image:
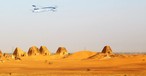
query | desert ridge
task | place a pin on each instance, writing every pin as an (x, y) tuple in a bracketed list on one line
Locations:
[(61, 53)]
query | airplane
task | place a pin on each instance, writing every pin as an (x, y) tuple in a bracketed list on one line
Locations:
[(43, 9)]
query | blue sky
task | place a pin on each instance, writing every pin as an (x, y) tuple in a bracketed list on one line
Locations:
[(76, 25)]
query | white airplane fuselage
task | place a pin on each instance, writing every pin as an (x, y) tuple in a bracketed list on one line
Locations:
[(43, 9)]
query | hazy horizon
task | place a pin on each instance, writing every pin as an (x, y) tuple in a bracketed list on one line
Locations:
[(76, 25)]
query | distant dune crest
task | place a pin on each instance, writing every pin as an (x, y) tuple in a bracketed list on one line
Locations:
[(61, 52)]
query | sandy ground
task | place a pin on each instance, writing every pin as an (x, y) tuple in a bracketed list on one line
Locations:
[(120, 65)]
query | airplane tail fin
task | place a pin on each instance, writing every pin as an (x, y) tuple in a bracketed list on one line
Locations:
[(33, 5)]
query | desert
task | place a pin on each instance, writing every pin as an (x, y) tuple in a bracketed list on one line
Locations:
[(73, 38), (41, 62)]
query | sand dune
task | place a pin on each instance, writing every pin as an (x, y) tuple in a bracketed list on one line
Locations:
[(132, 65), (82, 63), (81, 55)]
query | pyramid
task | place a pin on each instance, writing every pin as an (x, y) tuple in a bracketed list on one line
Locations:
[(7, 55), (1, 54), (33, 51), (62, 51), (44, 51), (107, 50), (19, 52)]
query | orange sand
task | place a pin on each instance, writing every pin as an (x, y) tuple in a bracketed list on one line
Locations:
[(75, 65)]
